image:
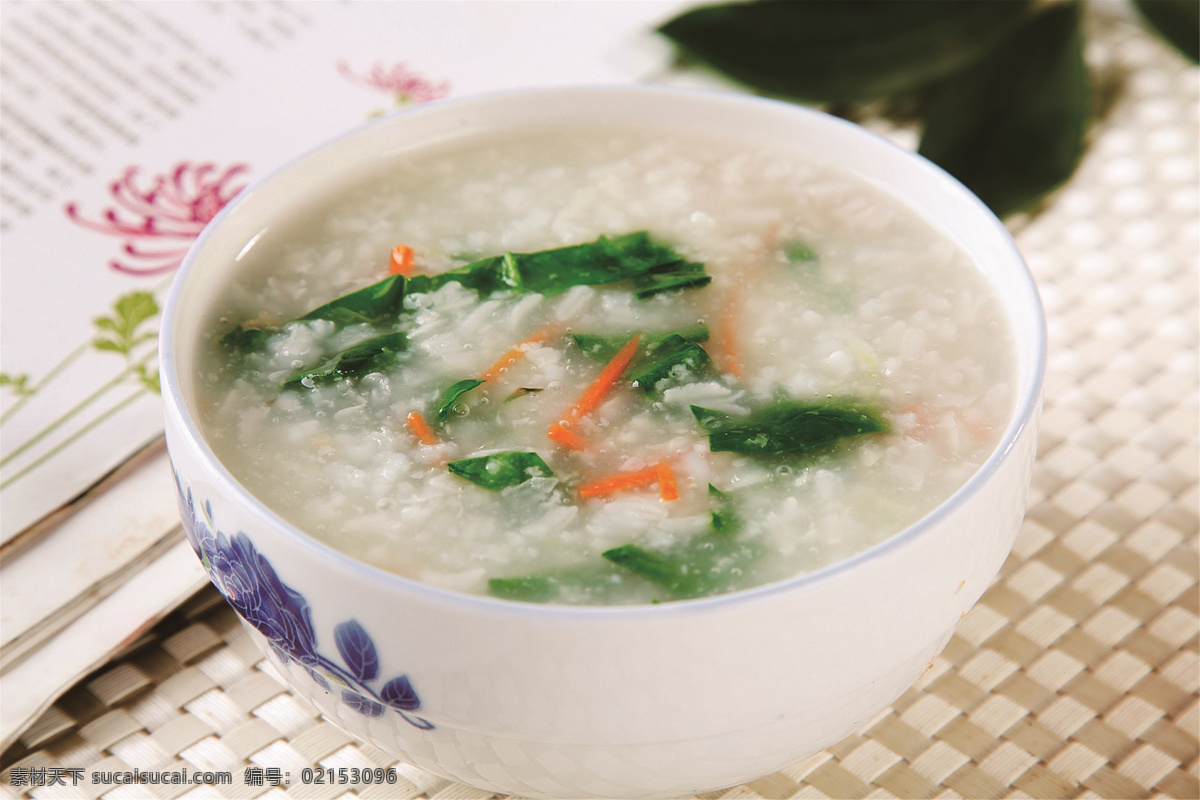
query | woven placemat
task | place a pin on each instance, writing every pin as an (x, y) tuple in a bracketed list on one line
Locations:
[(1077, 673)]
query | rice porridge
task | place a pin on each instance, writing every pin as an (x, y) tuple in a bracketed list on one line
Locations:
[(604, 367)]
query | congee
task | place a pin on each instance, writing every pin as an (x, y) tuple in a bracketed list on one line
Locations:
[(607, 367)]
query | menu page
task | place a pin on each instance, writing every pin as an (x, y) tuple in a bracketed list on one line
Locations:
[(126, 126)]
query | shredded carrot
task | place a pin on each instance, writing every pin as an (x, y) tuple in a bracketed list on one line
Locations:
[(728, 353), (666, 481), (420, 428), (660, 473), (617, 483), (594, 394), (402, 261), (566, 437), (514, 355), (725, 343)]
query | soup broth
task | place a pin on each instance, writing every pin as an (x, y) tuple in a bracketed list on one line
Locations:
[(605, 367)]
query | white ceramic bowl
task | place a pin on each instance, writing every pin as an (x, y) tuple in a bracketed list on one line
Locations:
[(639, 701)]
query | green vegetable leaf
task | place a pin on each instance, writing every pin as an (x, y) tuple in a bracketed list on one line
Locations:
[(680, 275), (797, 252), (595, 583), (376, 304), (530, 588), (501, 470), (1177, 20), (603, 347), (447, 399), (1011, 126), (554, 271), (245, 339), (707, 564), (373, 355), (835, 51), (672, 361), (120, 332), (724, 517), (789, 426), (484, 276)]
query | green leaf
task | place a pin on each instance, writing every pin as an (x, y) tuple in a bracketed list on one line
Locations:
[(530, 588), (603, 347), (797, 252), (130, 311), (17, 384), (672, 361), (449, 396), (484, 276), (596, 582), (707, 564), (1178, 21), (680, 275), (501, 470), (554, 271), (837, 51), (789, 426), (149, 378), (244, 339), (376, 304), (1011, 126), (724, 516), (373, 355)]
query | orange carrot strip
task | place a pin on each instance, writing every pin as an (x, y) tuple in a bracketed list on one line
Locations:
[(515, 354), (420, 428), (402, 261), (666, 481), (566, 437), (727, 354), (594, 394), (617, 483)]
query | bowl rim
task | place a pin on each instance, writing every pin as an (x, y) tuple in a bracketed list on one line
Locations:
[(1024, 413)]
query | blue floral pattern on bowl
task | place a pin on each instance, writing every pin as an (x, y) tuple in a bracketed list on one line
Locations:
[(248, 582)]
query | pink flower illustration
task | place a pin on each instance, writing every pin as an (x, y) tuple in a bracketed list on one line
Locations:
[(159, 217), (404, 85)]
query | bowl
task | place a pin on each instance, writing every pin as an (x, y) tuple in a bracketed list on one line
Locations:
[(628, 701)]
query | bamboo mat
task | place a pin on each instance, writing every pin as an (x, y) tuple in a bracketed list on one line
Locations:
[(1076, 674)]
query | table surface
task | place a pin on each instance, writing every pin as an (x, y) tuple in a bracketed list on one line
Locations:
[(1074, 676)]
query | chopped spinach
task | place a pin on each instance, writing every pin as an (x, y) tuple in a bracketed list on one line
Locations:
[(724, 517), (373, 355), (484, 276), (246, 339), (449, 396), (670, 361), (597, 582), (554, 271), (669, 277), (603, 347), (501, 470), (708, 564), (789, 426), (797, 252), (376, 304)]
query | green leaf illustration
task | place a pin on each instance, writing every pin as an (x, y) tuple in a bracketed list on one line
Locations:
[(17, 384), (123, 330)]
